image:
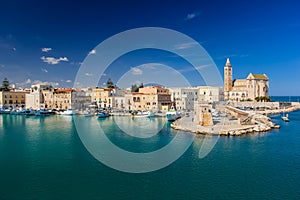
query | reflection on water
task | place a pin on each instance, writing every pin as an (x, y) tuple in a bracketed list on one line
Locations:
[(140, 127)]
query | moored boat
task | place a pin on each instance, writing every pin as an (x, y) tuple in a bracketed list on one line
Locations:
[(285, 118), (67, 112), (29, 112), (172, 114), (144, 114), (103, 114)]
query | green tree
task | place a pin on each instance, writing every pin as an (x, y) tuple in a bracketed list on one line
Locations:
[(110, 84), (5, 85), (135, 88)]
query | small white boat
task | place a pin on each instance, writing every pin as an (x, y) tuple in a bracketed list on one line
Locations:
[(285, 118), (67, 112), (5, 111), (172, 114), (89, 113), (18, 111), (144, 114), (43, 112)]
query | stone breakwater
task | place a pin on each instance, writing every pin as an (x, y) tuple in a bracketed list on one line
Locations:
[(254, 123), (294, 107)]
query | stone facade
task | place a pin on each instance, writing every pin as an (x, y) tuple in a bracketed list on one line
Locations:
[(12, 99), (255, 85)]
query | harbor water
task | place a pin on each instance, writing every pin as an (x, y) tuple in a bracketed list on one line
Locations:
[(44, 158)]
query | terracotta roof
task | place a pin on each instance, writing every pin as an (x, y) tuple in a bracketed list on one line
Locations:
[(134, 93), (64, 90)]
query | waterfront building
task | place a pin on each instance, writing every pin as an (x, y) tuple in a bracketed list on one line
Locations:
[(12, 99), (155, 98), (108, 97), (184, 98), (80, 99), (35, 99), (255, 85), (45, 96), (210, 94), (68, 98)]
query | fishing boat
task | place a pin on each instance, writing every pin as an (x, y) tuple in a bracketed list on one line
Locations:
[(143, 114), (44, 112), (29, 112), (67, 112), (103, 114), (285, 118), (172, 114)]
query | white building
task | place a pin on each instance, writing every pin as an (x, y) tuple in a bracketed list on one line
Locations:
[(35, 99), (210, 94), (184, 98)]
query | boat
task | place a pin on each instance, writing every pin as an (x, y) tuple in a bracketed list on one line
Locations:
[(143, 114), (5, 111), (67, 112), (172, 114), (44, 112), (285, 118), (29, 112), (18, 111), (88, 113), (103, 114)]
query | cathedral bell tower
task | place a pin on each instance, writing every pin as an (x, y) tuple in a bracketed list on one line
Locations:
[(227, 79)]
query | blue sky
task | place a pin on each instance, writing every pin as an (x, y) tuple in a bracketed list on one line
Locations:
[(258, 36)]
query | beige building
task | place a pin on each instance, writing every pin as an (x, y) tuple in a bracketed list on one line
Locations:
[(153, 98), (44, 96), (255, 85), (156, 98), (109, 97), (12, 99)]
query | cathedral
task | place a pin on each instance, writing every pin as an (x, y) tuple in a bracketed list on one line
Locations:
[(253, 87)]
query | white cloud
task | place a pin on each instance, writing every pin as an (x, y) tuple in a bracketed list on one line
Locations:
[(28, 81), (92, 52), (54, 61), (46, 49), (45, 70), (68, 81), (185, 45), (192, 15), (55, 84), (136, 71), (14, 49), (89, 74)]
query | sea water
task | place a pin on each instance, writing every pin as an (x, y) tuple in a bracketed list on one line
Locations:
[(44, 158)]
